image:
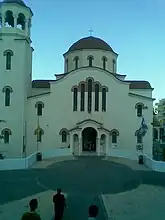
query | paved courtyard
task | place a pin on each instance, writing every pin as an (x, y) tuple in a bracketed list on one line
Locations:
[(85, 181)]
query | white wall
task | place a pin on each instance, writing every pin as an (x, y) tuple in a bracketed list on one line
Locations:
[(56, 153), (58, 113), (158, 166)]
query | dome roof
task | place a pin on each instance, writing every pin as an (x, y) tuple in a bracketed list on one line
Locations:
[(90, 43), (20, 2)]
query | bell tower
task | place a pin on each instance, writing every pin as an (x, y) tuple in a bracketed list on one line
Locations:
[(15, 71)]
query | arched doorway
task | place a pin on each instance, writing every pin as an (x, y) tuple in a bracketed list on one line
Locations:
[(89, 139)]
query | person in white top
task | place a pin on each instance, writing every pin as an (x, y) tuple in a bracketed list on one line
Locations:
[(93, 212)]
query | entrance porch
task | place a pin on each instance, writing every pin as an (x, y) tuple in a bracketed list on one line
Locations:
[(89, 137)]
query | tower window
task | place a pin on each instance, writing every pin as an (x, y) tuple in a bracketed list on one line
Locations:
[(76, 60), (90, 59), (66, 65), (6, 135), (97, 97), (89, 95), (114, 64), (8, 54), (21, 21), (39, 105), (104, 59), (104, 99), (82, 107), (75, 94), (7, 91)]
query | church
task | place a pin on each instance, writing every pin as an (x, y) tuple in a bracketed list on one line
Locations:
[(89, 109)]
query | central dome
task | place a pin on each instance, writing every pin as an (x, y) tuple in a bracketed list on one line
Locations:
[(20, 2), (90, 43)]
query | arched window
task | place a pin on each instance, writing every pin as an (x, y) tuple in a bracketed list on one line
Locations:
[(97, 88), (66, 65), (139, 107), (64, 132), (21, 21), (39, 105), (39, 132), (113, 65), (8, 54), (82, 104), (7, 91), (76, 60), (64, 136), (104, 90), (89, 95), (9, 19), (75, 94), (104, 59), (6, 135), (139, 138), (90, 59), (114, 133)]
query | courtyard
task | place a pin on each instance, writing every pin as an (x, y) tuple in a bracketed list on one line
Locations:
[(122, 189)]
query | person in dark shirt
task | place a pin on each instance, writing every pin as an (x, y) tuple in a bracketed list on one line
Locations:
[(32, 215), (59, 205)]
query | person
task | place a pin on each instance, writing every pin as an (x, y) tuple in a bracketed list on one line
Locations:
[(59, 205), (32, 215), (93, 212)]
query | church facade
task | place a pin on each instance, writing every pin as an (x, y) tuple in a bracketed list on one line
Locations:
[(88, 109)]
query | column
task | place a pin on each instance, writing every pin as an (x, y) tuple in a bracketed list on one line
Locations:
[(80, 146), (15, 20), (3, 20), (107, 145), (71, 144), (98, 146)]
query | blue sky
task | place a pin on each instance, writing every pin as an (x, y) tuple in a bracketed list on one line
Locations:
[(135, 29)]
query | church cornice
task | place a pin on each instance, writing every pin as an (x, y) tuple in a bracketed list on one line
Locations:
[(32, 96), (141, 96)]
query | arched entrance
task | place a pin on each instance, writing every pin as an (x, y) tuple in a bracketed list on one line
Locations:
[(89, 139)]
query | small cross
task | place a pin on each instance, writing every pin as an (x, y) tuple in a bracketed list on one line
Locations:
[(90, 31)]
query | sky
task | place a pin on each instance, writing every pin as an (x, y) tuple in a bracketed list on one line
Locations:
[(135, 29)]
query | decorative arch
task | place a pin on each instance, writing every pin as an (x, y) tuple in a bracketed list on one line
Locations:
[(6, 130), (104, 58), (79, 85), (139, 103), (8, 51), (73, 87), (100, 86), (63, 129), (114, 130), (7, 88), (9, 19), (39, 103), (76, 58), (105, 87)]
